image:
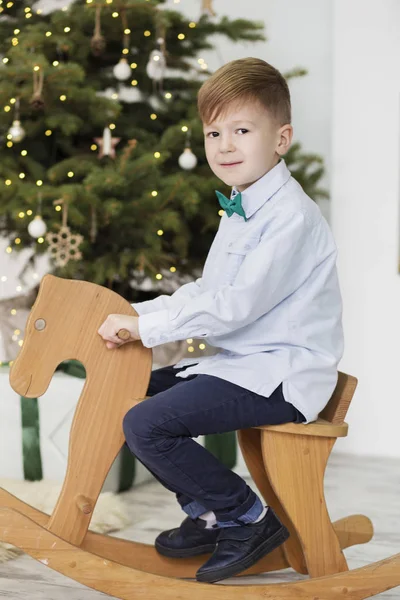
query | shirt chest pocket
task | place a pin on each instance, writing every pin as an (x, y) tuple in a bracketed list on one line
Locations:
[(235, 252)]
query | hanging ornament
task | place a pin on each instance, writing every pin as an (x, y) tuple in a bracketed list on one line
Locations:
[(37, 227), (37, 100), (107, 143), (156, 66), (97, 43), (187, 159), (16, 132), (122, 70), (207, 8), (63, 246), (157, 63)]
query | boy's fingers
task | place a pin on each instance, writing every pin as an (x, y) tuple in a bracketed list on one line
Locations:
[(111, 345)]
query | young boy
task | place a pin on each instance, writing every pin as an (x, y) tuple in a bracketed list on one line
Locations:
[(268, 299)]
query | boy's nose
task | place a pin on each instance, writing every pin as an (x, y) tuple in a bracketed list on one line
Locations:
[(227, 145)]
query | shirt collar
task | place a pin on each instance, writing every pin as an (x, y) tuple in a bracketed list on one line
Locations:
[(256, 195)]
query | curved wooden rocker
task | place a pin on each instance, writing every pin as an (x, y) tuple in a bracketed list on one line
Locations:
[(63, 325)]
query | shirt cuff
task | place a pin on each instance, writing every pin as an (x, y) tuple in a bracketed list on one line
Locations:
[(135, 307), (154, 328)]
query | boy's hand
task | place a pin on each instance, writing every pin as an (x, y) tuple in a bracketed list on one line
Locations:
[(113, 324)]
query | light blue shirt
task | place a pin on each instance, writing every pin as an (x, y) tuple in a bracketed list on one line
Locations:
[(268, 299)]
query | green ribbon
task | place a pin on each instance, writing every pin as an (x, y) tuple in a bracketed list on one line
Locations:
[(222, 445), (32, 459)]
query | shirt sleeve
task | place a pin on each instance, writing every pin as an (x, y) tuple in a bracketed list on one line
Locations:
[(282, 261), (165, 302)]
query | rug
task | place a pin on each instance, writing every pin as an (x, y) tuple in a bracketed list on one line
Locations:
[(110, 513)]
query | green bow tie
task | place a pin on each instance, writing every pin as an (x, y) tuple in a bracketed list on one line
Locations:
[(232, 206)]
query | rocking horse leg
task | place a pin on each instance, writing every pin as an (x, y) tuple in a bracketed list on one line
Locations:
[(130, 584), (250, 445), (296, 466)]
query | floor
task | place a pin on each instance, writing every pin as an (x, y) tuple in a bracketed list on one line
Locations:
[(353, 485)]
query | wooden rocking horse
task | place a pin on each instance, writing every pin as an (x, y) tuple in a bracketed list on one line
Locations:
[(287, 463)]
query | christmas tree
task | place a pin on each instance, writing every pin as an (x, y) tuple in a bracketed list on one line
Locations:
[(99, 135)]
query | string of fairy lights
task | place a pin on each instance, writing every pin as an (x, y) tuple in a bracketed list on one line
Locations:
[(186, 161)]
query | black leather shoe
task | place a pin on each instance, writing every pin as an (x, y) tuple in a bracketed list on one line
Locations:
[(190, 539), (238, 548)]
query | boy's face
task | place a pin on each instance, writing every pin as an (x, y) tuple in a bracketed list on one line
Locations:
[(244, 143)]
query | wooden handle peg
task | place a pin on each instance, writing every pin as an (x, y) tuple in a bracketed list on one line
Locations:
[(124, 334), (84, 504)]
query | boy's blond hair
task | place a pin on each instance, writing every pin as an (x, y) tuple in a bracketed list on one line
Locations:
[(242, 80)]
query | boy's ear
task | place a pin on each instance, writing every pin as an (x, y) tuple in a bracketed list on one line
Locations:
[(285, 135)]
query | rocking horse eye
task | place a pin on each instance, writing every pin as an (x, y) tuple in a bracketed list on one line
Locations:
[(40, 324)]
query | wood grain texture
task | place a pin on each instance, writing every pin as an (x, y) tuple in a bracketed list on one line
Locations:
[(295, 466), (250, 441), (336, 410), (318, 428), (73, 312)]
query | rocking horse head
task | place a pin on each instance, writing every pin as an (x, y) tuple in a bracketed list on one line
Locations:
[(63, 325)]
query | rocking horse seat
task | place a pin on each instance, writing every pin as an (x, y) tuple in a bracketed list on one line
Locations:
[(320, 427)]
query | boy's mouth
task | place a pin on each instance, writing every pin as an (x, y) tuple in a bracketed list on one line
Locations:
[(232, 164)]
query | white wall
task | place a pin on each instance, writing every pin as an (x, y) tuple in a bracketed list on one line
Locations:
[(299, 35), (365, 215)]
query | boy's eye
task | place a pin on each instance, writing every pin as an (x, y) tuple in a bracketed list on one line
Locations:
[(212, 134), (242, 130)]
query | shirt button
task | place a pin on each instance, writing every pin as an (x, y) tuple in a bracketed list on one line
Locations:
[(163, 338), (151, 340), (247, 247)]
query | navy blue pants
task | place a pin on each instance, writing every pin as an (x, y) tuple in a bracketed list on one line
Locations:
[(159, 432)]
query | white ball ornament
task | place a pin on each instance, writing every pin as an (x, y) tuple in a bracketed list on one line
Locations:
[(37, 227), (16, 131), (187, 160), (122, 70)]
